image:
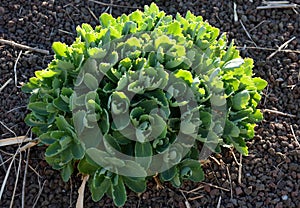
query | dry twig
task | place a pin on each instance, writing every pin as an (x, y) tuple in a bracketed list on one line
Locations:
[(5, 84), (16, 181), (114, 5), (2, 163), (240, 166), (259, 24), (215, 159), (92, 13), (235, 16), (196, 197), (214, 186), (39, 194), (16, 108), (247, 33), (240, 169), (193, 190), (80, 199), (24, 47), (268, 49), (11, 131), (24, 179), (14, 140), (294, 135), (229, 177), (6, 176), (278, 113), (219, 202), (281, 47), (15, 68), (187, 204), (277, 5), (66, 32)]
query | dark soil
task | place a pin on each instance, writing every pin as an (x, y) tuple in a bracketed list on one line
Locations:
[(270, 174)]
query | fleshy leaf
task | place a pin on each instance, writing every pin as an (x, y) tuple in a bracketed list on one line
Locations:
[(119, 193), (60, 48), (137, 185), (240, 100)]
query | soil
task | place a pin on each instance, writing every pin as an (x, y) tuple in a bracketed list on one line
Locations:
[(270, 175)]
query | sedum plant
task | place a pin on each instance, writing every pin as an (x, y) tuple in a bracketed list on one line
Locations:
[(142, 95)]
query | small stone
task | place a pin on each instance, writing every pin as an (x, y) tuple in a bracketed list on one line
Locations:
[(294, 167), (293, 56), (284, 143), (284, 197), (294, 194), (260, 187), (234, 201), (279, 205), (279, 79), (238, 191), (248, 190), (2, 11)]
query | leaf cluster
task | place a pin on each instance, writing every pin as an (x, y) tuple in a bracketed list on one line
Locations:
[(146, 85)]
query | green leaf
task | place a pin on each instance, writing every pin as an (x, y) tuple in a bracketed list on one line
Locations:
[(174, 28), (38, 107), (31, 121), (260, 83), (218, 100), (174, 64), (240, 145), (111, 144), (169, 174), (231, 129), (66, 172), (96, 53), (45, 74), (196, 173), (99, 191), (60, 48), (65, 65), (143, 154), (91, 137), (62, 123), (104, 159), (80, 121), (90, 81), (46, 138), (119, 193), (132, 169), (240, 100), (234, 63), (119, 103), (137, 185), (61, 105), (185, 75), (54, 149), (77, 151), (106, 20), (85, 167)]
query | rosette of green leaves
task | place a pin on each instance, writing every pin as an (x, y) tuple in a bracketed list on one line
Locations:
[(128, 86)]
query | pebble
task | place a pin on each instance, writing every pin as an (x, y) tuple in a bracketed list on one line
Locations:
[(2, 11), (260, 187), (238, 190), (248, 190)]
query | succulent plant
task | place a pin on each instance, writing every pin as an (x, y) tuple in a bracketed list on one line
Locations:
[(137, 96)]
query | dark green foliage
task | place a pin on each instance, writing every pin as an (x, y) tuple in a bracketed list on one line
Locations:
[(150, 87)]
